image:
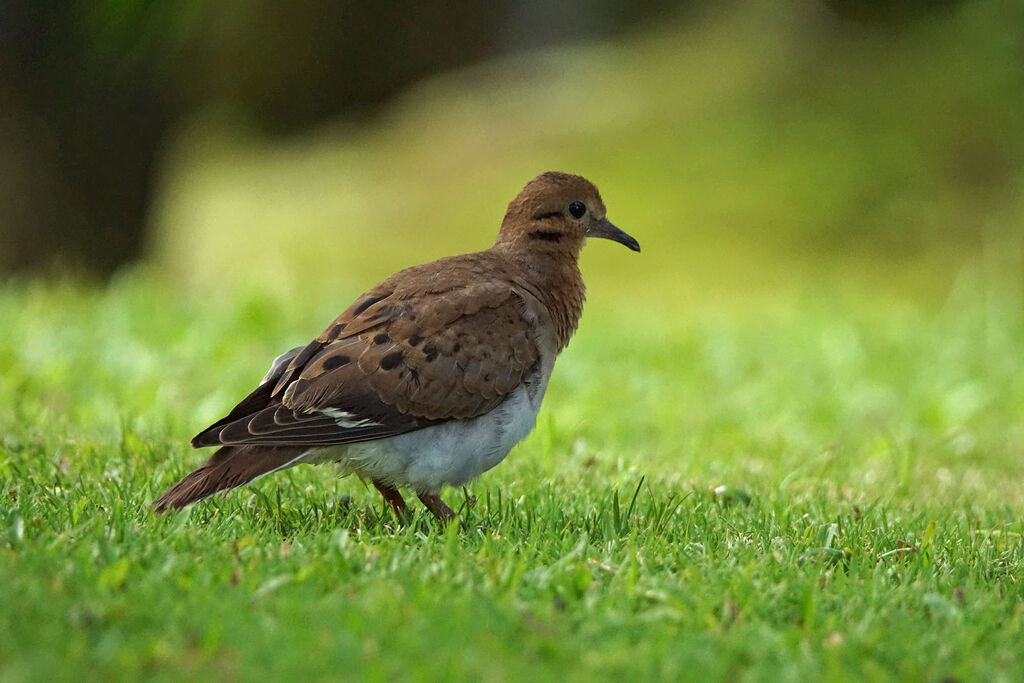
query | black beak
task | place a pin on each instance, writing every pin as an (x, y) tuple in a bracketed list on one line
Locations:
[(604, 229)]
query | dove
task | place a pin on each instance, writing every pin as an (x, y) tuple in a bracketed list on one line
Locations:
[(432, 376)]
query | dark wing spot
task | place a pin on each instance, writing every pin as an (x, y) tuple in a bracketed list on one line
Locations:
[(546, 235), (334, 362), (381, 338), (429, 348), (366, 303), (457, 347), (391, 361), (337, 330), (415, 339)]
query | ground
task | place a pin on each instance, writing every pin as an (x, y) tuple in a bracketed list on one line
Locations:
[(799, 491)]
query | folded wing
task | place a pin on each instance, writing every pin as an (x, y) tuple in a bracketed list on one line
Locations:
[(399, 359)]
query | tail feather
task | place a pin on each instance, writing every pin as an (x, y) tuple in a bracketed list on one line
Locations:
[(229, 467)]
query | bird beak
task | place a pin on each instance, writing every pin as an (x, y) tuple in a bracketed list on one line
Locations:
[(604, 229)]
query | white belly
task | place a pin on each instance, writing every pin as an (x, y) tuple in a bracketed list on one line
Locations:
[(452, 453)]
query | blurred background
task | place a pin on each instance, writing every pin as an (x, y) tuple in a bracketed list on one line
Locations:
[(750, 146)]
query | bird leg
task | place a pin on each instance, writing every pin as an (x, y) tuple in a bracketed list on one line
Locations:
[(437, 506), (394, 497)]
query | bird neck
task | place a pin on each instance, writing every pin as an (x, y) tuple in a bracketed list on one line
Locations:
[(554, 278)]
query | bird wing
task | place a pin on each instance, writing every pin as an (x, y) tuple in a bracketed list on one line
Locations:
[(402, 357)]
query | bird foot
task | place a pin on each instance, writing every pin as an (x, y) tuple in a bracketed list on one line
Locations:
[(394, 497), (437, 506)]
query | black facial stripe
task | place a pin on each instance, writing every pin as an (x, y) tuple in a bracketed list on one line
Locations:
[(546, 235)]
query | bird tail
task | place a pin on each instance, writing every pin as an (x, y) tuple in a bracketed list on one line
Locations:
[(229, 467)]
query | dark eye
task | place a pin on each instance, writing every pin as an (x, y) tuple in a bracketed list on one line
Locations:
[(577, 209)]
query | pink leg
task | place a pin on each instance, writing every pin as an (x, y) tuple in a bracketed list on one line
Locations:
[(394, 497), (437, 506)]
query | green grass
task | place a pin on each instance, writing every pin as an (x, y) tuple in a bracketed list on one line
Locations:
[(881, 448)]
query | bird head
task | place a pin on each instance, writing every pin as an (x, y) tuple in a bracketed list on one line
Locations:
[(557, 212)]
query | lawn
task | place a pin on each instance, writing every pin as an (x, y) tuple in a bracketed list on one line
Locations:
[(870, 523)]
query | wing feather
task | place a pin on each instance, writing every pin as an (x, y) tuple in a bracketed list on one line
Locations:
[(418, 349)]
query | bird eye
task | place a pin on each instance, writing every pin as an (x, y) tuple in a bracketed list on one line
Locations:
[(577, 209)]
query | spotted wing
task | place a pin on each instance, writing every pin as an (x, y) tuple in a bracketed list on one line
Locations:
[(395, 361)]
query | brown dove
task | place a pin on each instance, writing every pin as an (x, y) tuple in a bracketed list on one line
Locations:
[(431, 377)]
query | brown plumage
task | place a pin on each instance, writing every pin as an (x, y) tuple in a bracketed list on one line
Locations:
[(432, 365), (229, 467)]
